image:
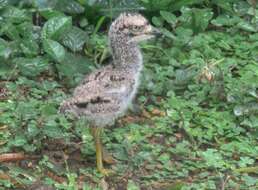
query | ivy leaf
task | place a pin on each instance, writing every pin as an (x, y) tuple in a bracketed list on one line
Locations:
[(54, 49), (56, 26)]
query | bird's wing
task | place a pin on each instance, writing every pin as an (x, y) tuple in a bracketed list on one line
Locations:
[(100, 87)]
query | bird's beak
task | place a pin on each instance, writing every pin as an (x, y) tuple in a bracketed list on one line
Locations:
[(151, 32), (155, 31)]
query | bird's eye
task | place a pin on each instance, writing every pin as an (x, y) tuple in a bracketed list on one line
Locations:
[(136, 28)]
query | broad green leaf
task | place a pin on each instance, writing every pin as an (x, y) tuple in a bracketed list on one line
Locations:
[(157, 21), (169, 17), (19, 140), (224, 5), (74, 39), (74, 64), (29, 31), (10, 30), (50, 13), (31, 66), (3, 3), (33, 129), (29, 47), (167, 33), (213, 158), (226, 20), (15, 15), (5, 50), (117, 7), (247, 27), (54, 49), (132, 186), (249, 108), (156, 5), (178, 4), (52, 129), (48, 110), (56, 26), (45, 4), (70, 7), (200, 19)]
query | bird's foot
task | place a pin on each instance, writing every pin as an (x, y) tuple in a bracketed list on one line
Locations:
[(108, 158), (106, 172)]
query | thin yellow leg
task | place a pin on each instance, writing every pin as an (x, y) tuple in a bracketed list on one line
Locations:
[(96, 133)]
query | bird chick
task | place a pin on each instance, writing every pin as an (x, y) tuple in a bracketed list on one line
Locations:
[(105, 94)]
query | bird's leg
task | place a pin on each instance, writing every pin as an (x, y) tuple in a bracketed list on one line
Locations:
[(96, 133)]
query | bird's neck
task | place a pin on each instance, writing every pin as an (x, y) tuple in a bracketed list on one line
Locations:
[(125, 54)]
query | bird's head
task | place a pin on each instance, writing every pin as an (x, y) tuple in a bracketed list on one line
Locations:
[(133, 26)]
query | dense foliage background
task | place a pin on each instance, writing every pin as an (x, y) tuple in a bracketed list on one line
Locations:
[(195, 126)]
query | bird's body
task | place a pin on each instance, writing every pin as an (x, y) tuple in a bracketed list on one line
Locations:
[(105, 94)]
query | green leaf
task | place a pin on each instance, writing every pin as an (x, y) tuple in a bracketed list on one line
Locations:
[(225, 20), (15, 15), (45, 4), (70, 7), (247, 27), (56, 26), (224, 5), (10, 30), (3, 3), (29, 31), (178, 4), (213, 158), (157, 21), (246, 109), (51, 129), (48, 110), (49, 13), (167, 33), (29, 47), (19, 140), (200, 19), (33, 129), (31, 66), (132, 186), (74, 39), (5, 51), (54, 50), (169, 17)]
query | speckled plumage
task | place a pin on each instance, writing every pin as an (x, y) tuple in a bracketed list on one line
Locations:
[(105, 94)]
